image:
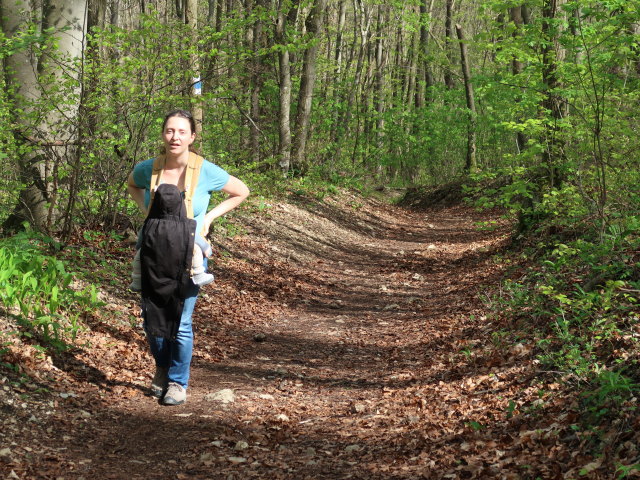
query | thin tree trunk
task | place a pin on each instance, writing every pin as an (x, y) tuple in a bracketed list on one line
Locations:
[(115, 13), (424, 73), (410, 97), (211, 12), (338, 81), (284, 72), (362, 24), (517, 16), (257, 80), (471, 164), (307, 83), (87, 121), (552, 104), (190, 15), (448, 32), (381, 61)]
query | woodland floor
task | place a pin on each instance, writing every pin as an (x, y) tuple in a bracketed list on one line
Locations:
[(354, 338)]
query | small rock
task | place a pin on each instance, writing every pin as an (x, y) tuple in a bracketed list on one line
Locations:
[(241, 445), (217, 443), (206, 457), (352, 448), (13, 475), (267, 396), (358, 408), (223, 396), (393, 306), (259, 337), (310, 452), (411, 419), (85, 414), (431, 247), (282, 417), (237, 459), (5, 452)]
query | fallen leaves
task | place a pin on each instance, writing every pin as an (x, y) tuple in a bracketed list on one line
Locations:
[(322, 352)]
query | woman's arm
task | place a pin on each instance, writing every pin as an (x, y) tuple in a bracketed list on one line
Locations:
[(136, 193), (237, 191)]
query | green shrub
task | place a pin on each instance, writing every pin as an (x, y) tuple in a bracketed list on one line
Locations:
[(35, 289)]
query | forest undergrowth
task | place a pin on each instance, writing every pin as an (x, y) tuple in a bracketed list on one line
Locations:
[(344, 337)]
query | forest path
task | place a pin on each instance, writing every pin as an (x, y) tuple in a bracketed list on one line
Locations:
[(355, 344)]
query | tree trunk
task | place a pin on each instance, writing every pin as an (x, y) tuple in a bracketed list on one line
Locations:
[(552, 104), (37, 200), (381, 61), (211, 12), (448, 33), (284, 72), (362, 24), (338, 80), (424, 72), (87, 121), (518, 15), (313, 26), (471, 164), (190, 10), (257, 80)]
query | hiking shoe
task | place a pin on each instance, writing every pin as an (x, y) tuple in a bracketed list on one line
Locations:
[(202, 279), (159, 382), (176, 394)]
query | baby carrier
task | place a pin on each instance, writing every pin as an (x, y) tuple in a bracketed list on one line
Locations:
[(166, 253)]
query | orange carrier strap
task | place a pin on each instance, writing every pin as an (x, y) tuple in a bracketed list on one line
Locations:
[(194, 165)]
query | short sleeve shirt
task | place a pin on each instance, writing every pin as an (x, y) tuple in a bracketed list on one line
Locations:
[(212, 179)]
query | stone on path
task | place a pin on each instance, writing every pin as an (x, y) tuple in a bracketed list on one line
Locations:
[(223, 396)]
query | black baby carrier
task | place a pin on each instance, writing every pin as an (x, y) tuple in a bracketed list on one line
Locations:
[(167, 250)]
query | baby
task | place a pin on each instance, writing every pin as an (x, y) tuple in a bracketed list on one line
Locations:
[(199, 276)]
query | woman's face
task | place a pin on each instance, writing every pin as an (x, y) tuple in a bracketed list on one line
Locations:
[(177, 135)]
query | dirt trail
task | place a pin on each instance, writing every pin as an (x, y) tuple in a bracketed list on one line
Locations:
[(356, 346)]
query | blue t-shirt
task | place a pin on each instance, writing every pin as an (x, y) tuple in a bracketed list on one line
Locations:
[(212, 179)]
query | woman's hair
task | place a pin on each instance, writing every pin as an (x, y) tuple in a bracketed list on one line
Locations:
[(182, 114)]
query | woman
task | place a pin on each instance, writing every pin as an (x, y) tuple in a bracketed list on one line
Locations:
[(173, 357)]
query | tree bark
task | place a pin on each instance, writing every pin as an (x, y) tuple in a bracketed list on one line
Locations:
[(518, 15), (37, 200), (190, 15), (257, 80), (381, 61), (448, 33), (307, 82), (471, 164), (552, 104), (284, 75), (424, 71)]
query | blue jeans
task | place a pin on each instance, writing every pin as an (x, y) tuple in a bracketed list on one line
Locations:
[(176, 354)]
